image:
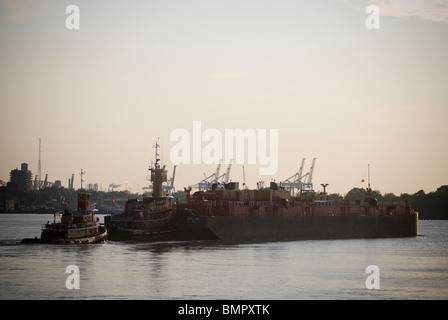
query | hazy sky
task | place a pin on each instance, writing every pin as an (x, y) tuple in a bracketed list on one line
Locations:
[(99, 97)]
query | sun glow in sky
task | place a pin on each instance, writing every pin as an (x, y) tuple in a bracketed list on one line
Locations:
[(99, 97)]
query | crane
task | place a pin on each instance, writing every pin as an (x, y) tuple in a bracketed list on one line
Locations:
[(172, 178), (310, 174), (244, 179), (299, 181), (301, 169), (45, 185), (170, 188), (204, 183), (308, 185), (227, 174), (214, 178), (217, 171)]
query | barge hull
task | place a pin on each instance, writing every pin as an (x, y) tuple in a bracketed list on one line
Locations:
[(272, 228), (127, 235)]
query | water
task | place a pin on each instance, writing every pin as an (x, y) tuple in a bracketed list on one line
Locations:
[(409, 268)]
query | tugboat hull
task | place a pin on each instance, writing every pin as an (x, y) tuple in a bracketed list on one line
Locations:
[(149, 219), (100, 238), (167, 232)]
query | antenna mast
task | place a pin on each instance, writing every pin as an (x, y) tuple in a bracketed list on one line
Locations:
[(369, 191), (81, 174), (244, 179), (368, 174), (39, 168), (158, 175), (157, 165)]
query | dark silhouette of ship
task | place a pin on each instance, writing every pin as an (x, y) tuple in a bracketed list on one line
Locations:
[(78, 227), (271, 214), (150, 219), (226, 212)]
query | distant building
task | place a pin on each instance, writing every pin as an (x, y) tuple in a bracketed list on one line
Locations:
[(22, 177), (92, 186)]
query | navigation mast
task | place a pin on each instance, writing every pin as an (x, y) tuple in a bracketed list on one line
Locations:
[(369, 190), (81, 174), (158, 175)]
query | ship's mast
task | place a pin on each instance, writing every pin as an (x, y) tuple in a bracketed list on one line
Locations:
[(368, 174), (157, 165), (369, 191), (39, 168), (83, 197), (158, 175), (81, 174)]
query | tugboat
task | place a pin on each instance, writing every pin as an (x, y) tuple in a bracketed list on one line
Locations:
[(79, 227), (149, 219)]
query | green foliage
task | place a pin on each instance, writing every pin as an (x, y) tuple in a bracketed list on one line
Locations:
[(335, 196), (356, 194), (433, 205)]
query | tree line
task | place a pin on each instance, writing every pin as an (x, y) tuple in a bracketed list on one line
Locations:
[(432, 205)]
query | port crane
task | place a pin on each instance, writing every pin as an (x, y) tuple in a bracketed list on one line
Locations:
[(214, 178), (39, 185), (226, 176), (300, 182), (244, 179)]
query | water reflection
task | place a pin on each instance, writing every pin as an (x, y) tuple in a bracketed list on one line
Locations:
[(335, 269)]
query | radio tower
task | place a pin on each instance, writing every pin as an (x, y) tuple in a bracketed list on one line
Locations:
[(39, 168)]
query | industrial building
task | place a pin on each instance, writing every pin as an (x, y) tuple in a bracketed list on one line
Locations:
[(22, 177)]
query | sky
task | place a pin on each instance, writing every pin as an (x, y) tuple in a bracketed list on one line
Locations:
[(99, 97)]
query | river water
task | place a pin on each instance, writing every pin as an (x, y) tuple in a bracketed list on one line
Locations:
[(407, 268)]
